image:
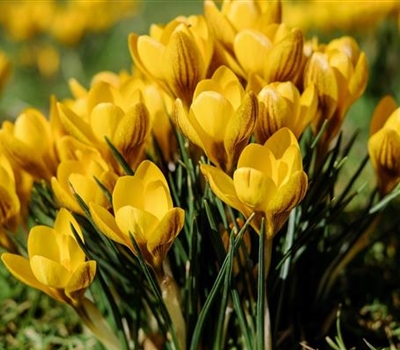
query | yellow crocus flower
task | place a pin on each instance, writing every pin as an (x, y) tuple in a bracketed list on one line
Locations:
[(143, 208), (281, 105), (177, 56), (269, 181), (29, 144), (339, 72), (221, 118), (275, 54), (384, 144), (234, 17), (127, 130), (56, 264)]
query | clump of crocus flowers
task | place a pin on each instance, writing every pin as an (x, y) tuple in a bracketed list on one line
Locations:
[(212, 120)]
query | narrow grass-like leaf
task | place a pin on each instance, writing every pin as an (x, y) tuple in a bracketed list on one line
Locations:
[(119, 158), (261, 291), (247, 334), (168, 327), (195, 343), (385, 201), (219, 334)]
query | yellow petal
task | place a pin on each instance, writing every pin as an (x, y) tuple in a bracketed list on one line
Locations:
[(24, 157), (132, 132), (240, 127), (274, 112), (257, 157), (251, 49), (42, 241), (102, 92), (148, 172), (358, 81), (149, 53), (32, 128), (138, 223), (64, 197), (77, 90), (71, 254), (9, 202), (393, 121), (289, 195), (157, 199), (105, 222), (87, 188), (63, 222), (129, 190), (164, 234), (104, 120), (280, 141), (386, 106), (320, 73), (308, 109), (211, 112), (21, 269), (49, 273), (75, 125), (182, 120), (219, 25), (253, 188), (284, 58), (81, 279), (183, 65), (222, 186)]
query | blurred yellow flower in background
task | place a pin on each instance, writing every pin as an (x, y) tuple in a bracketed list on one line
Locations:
[(29, 144), (40, 29), (269, 181), (384, 144), (339, 71), (328, 16)]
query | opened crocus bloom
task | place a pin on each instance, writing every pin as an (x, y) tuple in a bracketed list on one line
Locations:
[(56, 264), (143, 209), (237, 16), (177, 56), (281, 105), (221, 118), (384, 144), (269, 181)]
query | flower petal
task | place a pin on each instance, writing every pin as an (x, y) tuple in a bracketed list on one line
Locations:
[(163, 236), (48, 272), (81, 278), (222, 186), (253, 188), (105, 222)]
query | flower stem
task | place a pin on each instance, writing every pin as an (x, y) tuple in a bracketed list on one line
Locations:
[(171, 298), (93, 319)]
